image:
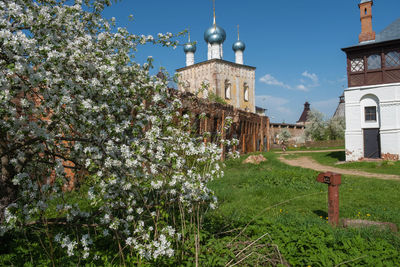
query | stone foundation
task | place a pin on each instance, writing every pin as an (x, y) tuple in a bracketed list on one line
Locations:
[(391, 157)]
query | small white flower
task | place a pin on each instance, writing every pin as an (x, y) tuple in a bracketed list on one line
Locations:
[(57, 238), (139, 211)]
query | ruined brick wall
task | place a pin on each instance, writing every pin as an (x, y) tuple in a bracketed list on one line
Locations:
[(250, 129), (295, 130), (391, 157)]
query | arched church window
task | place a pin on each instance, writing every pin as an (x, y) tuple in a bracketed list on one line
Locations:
[(246, 92), (227, 89), (374, 62), (186, 85), (392, 59)]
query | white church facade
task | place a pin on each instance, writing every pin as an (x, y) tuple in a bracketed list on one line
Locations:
[(372, 99)]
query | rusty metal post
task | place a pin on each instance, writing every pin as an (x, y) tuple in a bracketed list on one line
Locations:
[(333, 180), (333, 204)]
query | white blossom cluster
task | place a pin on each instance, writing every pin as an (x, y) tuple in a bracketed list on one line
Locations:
[(72, 99)]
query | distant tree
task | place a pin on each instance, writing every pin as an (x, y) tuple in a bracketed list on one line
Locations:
[(315, 126), (335, 128), (285, 135)]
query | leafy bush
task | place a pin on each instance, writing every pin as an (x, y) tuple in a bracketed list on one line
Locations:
[(78, 110), (318, 128), (285, 135), (335, 128), (216, 99)]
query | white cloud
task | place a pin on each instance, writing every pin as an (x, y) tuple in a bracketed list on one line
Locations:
[(313, 77), (302, 87), (278, 107), (271, 80)]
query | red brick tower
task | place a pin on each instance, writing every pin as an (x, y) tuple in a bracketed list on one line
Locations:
[(367, 34)]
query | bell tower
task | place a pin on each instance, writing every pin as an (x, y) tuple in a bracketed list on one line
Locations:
[(367, 34)]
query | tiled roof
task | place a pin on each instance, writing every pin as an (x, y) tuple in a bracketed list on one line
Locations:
[(391, 32), (340, 109), (304, 115)]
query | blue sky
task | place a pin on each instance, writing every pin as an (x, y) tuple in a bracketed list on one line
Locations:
[(294, 44)]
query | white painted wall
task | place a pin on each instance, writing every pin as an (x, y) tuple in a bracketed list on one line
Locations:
[(189, 59), (215, 51), (386, 98), (239, 57)]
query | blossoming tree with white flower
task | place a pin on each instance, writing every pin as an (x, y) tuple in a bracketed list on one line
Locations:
[(73, 102)]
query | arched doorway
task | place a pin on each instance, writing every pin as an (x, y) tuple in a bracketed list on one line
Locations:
[(370, 122)]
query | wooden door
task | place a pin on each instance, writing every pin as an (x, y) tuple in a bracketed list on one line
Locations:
[(372, 144)]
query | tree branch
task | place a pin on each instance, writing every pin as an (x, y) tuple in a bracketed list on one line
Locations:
[(20, 146)]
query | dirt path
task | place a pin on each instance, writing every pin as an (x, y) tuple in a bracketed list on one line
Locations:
[(311, 151), (309, 163)]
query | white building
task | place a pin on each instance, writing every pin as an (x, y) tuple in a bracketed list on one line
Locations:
[(372, 99)]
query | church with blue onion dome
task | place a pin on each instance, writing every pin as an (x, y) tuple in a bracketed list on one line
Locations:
[(215, 32), (238, 46), (189, 47), (232, 81), (215, 36)]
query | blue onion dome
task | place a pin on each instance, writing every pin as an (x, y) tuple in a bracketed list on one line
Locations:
[(238, 46), (215, 34), (189, 47), (215, 39)]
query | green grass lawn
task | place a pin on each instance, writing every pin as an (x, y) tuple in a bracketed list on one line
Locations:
[(291, 206), (261, 206), (331, 158)]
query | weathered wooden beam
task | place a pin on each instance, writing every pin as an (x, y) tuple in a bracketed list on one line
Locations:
[(268, 135), (223, 135), (253, 128)]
